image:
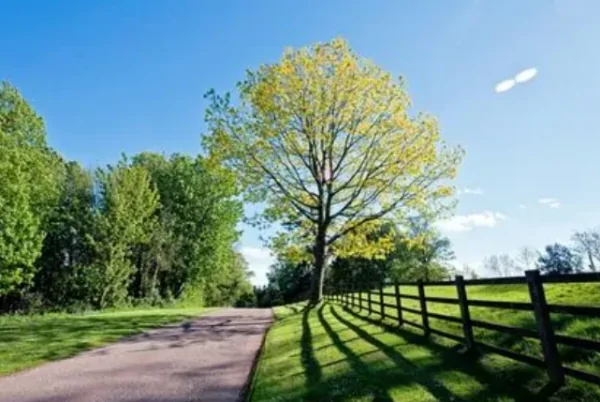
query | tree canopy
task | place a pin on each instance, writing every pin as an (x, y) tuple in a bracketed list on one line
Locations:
[(324, 137), (558, 259)]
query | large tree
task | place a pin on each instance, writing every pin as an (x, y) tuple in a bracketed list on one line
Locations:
[(68, 249), (324, 138), (199, 202), (128, 207), (29, 175)]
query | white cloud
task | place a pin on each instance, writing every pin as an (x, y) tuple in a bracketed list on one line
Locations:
[(259, 260), (523, 206), (505, 85), (522, 77), (466, 223), (550, 202), (526, 75), (471, 191)]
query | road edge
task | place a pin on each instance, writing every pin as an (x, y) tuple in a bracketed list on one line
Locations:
[(248, 388)]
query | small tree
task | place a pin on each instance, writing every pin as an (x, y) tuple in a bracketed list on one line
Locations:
[(527, 258), (587, 245), (325, 140), (500, 265), (558, 260)]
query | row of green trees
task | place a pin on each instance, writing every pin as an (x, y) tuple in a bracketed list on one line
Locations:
[(147, 229)]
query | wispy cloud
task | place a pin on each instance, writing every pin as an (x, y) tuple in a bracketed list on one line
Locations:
[(471, 191), (466, 223), (523, 206), (522, 77), (550, 202), (259, 260)]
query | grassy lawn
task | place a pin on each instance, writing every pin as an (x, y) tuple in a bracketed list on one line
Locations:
[(335, 353), (27, 341)]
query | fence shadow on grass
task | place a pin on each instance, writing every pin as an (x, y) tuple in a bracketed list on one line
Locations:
[(451, 360)]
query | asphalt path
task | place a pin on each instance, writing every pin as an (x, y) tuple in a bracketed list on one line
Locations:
[(207, 359)]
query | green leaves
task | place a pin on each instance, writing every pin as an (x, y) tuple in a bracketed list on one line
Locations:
[(146, 230), (325, 139), (29, 174)]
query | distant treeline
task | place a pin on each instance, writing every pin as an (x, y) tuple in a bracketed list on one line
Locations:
[(149, 229)]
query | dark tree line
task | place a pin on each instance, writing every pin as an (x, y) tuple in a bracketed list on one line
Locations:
[(148, 229)]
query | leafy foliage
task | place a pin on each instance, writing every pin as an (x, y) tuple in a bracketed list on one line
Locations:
[(29, 172), (558, 259), (147, 230), (325, 139)]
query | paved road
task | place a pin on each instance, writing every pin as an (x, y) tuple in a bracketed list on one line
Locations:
[(208, 359)]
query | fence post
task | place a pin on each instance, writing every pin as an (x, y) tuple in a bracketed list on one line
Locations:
[(465, 313), (398, 302), (381, 301), (359, 298), (423, 307), (369, 301), (545, 331)]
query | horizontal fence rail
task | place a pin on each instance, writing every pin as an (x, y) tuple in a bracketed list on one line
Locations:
[(374, 303)]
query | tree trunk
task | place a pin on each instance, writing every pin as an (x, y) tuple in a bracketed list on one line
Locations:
[(592, 265), (318, 276)]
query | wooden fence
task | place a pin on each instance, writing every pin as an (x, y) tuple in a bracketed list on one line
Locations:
[(541, 309)]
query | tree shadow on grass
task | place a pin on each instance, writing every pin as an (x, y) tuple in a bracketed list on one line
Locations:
[(311, 365), (361, 381), (450, 361), (365, 375), (415, 374)]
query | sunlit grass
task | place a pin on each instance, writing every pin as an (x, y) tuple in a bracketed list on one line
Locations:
[(27, 341), (335, 353)]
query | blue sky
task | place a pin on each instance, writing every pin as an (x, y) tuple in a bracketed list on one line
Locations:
[(128, 76)]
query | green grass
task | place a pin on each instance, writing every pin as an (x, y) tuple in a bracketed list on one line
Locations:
[(335, 353), (27, 341)]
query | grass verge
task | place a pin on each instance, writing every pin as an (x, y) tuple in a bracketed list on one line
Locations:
[(332, 353), (27, 341)]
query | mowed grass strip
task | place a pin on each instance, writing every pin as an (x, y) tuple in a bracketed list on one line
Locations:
[(335, 353), (27, 341)]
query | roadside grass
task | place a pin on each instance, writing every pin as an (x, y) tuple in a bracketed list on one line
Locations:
[(27, 341), (335, 353)]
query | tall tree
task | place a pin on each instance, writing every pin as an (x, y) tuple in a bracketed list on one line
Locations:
[(68, 246), (558, 259), (587, 245), (29, 174), (325, 140), (200, 201), (129, 204)]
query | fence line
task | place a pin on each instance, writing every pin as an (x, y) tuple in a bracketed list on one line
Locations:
[(539, 306)]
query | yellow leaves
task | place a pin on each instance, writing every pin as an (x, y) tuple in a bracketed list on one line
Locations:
[(367, 241), (323, 108)]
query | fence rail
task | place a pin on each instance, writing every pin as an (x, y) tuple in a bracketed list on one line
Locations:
[(542, 311)]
